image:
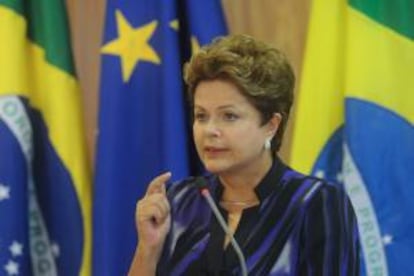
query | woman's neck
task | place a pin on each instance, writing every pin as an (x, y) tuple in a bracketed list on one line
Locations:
[(240, 185)]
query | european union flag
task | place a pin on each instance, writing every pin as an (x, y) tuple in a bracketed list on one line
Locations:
[(143, 124)]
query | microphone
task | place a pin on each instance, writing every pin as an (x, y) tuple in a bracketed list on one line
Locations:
[(202, 185)]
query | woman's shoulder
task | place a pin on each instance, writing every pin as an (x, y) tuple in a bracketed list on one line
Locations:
[(313, 188), (322, 202), (323, 196), (324, 189)]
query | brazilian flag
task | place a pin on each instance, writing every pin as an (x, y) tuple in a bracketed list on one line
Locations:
[(44, 178), (355, 120)]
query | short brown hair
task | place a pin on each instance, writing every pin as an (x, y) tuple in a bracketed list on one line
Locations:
[(262, 73)]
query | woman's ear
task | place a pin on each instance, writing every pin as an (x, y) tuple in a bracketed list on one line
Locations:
[(274, 123)]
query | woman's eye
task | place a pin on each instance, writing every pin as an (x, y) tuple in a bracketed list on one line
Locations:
[(228, 116), (200, 116)]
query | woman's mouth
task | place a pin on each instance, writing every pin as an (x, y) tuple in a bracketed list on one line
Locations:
[(214, 151)]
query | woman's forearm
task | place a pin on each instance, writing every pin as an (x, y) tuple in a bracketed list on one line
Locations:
[(143, 264)]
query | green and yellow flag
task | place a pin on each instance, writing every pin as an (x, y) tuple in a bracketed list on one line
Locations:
[(44, 178), (355, 120)]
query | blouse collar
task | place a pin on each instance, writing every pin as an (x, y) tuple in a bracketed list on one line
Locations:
[(269, 183)]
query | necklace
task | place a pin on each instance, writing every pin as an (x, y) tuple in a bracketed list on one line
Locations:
[(241, 203)]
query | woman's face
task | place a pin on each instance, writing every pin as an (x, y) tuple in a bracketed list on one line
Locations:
[(227, 129)]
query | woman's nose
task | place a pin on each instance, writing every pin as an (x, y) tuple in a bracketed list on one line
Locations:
[(212, 129)]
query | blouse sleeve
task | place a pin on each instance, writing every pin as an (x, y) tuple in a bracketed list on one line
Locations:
[(329, 237)]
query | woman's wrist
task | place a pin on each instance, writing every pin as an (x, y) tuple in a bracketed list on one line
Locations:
[(145, 262), (147, 253)]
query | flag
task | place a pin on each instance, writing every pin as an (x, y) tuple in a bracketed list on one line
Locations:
[(143, 124), (44, 178), (355, 120)]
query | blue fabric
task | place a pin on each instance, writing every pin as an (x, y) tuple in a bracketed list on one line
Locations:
[(381, 148), (55, 228), (302, 226), (144, 129), (14, 222)]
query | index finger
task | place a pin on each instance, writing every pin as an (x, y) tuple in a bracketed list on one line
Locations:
[(157, 185)]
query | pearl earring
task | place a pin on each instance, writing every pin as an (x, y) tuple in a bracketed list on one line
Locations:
[(268, 144)]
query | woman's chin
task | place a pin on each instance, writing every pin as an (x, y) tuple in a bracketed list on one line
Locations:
[(215, 168)]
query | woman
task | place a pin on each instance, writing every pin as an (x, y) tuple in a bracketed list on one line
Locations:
[(286, 223)]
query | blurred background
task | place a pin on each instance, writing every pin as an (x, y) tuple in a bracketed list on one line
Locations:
[(281, 23), (71, 172)]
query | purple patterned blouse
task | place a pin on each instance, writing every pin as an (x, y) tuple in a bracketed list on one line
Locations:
[(302, 226)]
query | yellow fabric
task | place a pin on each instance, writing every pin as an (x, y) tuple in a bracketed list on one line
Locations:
[(347, 55), (380, 65), (320, 103)]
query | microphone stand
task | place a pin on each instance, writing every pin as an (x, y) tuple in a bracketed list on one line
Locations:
[(206, 193)]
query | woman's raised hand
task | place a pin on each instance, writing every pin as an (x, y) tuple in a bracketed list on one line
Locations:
[(153, 218)]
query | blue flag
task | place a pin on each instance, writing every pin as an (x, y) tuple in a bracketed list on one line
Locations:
[(144, 129)]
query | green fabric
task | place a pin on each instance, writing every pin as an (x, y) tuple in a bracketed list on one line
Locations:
[(47, 26), (396, 14), (14, 5)]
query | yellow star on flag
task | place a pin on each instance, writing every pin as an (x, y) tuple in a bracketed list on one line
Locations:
[(132, 45)]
